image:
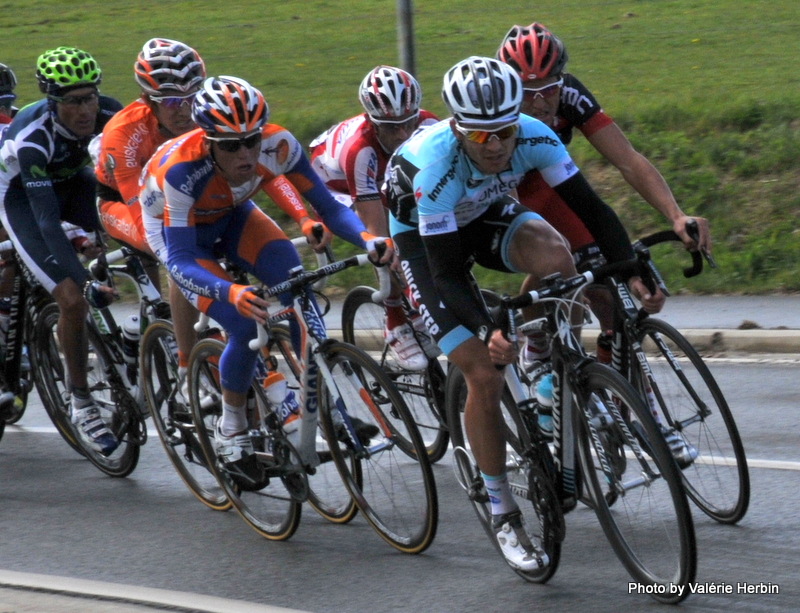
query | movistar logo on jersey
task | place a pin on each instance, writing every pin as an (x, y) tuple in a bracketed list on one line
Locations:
[(38, 172), (441, 223)]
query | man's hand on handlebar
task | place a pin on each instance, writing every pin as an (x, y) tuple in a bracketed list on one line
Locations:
[(703, 240), (501, 350), (381, 256), (651, 302), (317, 234), (247, 303)]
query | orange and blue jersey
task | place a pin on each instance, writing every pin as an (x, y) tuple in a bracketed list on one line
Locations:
[(191, 215)]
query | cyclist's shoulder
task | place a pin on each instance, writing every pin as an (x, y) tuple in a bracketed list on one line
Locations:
[(430, 146), (136, 121), (184, 153), (280, 149)]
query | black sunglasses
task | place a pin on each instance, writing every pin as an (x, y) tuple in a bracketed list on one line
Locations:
[(232, 145)]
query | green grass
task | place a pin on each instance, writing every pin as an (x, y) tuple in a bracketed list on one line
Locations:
[(708, 90)]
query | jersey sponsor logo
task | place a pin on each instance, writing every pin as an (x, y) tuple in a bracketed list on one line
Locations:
[(417, 193), (189, 182), (448, 176), (188, 284), (413, 288), (440, 223), (32, 184), (573, 97), (38, 172), (570, 167), (282, 151), (132, 146), (539, 140)]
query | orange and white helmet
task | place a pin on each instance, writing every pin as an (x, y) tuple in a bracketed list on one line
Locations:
[(227, 105), (165, 67)]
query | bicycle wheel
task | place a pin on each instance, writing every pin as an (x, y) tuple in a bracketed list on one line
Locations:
[(266, 505), (423, 392), (54, 390), (626, 463), (327, 494), (397, 493), (172, 415), (525, 475), (718, 480)]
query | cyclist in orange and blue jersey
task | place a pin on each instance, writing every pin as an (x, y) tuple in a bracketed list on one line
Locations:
[(196, 205)]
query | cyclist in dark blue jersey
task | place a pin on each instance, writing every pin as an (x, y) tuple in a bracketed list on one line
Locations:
[(46, 178), (449, 190)]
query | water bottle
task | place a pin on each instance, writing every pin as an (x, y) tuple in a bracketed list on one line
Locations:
[(285, 404), (604, 347), (544, 396), (131, 333)]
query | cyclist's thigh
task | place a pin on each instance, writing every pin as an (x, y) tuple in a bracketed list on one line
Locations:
[(539, 197), (445, 328), (254, 242), (490, 235), (20, 223), (124, 223)]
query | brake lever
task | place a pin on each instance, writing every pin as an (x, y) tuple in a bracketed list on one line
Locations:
[(693, 231)]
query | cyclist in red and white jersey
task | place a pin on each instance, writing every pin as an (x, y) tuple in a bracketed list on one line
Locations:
[(351, 159)]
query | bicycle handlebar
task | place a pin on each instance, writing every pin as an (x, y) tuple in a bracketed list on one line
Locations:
[(300, 279)]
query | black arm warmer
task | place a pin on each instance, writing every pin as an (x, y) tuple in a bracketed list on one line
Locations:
[(599, 218), (453, 282)]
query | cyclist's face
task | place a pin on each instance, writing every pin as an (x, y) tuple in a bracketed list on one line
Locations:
[(392, 135), (78, 111), (542, 106), (490, 157), (238, 166), (176, 119)]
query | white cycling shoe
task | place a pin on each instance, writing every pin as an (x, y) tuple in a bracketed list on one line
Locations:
[(517, 547), (404, 348)]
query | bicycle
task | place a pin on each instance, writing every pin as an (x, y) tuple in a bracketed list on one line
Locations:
[(682, 392), (367, 431), (172, 416), (606, 450), (112, 366), (28, 301), (362, 325)]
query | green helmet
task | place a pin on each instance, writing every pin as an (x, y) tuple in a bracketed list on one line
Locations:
[(66, 68)]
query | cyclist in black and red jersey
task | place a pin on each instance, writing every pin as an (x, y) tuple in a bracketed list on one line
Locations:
[(8, 81), (563, 103)]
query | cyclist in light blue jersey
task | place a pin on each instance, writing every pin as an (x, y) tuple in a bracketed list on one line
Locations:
[(449, 190)]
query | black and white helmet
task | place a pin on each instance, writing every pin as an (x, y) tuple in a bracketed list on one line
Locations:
[(390, 95), (482, 93), (8, 80)]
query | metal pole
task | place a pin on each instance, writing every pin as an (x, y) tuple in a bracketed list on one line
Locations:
[(405, 35)]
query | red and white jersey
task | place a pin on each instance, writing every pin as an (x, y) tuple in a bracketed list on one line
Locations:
[(350, 159)]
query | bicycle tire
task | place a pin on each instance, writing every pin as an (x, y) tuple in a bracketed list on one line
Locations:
[(397, 494), (543, 517), (269, 508), (54, 391), (718, 481), (423, 391), (172, 416), (327, 493), (650, 525)]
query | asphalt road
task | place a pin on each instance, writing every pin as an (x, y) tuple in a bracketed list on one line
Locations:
[(60, 516)]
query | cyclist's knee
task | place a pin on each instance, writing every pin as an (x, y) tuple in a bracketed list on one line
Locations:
[(70, 300), (538, 248)]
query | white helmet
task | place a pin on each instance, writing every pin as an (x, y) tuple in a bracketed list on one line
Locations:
[(482, 93), (389, 95)]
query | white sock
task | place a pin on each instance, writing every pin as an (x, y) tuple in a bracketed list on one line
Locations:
[(500, 496), (234, 419)]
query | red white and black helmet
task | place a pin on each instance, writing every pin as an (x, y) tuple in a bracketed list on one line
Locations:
[(533, 51), (227, 105), (390, 95), (482, 93), (168, 67)]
